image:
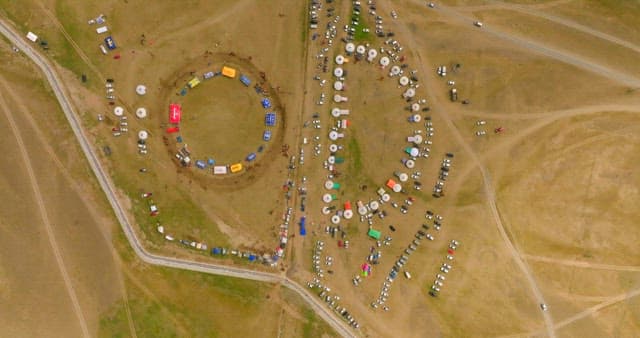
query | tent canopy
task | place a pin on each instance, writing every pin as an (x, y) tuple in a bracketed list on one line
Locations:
[(229, 72), (375, 234), (175, 113)]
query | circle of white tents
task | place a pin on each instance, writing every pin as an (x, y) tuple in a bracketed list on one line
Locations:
[(338, 72), (414, 152), (384, 61), (141, 90), (118, 111), (374, 205), (339, 59), (350, 47), (348, 214), (143, 135), (416, 139), (333, 135), (410, 92), (328, 184), (372, 54), (141, 113)]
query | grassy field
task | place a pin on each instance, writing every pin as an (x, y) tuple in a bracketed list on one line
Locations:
[(562, 171), (118, 296)]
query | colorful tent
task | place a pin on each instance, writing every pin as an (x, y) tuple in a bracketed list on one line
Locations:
[(236, 167), (228, 72), (175, 113), (375, 234), (391, 183)]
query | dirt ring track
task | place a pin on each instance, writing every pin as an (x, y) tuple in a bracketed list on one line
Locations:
[(272, 150)]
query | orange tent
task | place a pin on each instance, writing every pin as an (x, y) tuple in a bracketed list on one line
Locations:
[(391, 183), (228, 72)]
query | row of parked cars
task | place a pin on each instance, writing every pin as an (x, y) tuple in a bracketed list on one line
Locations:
[(445, 268), (445, 166)]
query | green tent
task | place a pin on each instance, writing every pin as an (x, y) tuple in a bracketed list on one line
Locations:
[(375, 234)]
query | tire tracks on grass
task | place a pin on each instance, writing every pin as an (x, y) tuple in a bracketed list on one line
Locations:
[(582, 264), (45, 220), (510, 245), (20, 105), (544, 49)]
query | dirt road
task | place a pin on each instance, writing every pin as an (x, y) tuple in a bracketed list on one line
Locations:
[(539, 48)]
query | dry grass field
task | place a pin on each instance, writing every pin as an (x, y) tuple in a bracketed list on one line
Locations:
[(116, 295), (549, 204)]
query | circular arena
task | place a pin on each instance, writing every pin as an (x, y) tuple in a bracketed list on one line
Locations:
[(221, 118)]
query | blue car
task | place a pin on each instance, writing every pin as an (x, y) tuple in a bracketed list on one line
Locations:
[(267, 135), (109, 42)]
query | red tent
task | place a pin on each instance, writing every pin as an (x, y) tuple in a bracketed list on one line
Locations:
[(175, 113), (173, 130)]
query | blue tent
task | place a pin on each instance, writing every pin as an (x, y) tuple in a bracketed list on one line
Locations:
[(251, 157), (212, 161), (245, 80), (270, 119), (266, 103), (252, 258), (201, 164)]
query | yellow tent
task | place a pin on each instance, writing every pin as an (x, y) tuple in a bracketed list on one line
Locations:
[(194, 82), (236, 167), (228, 72)]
